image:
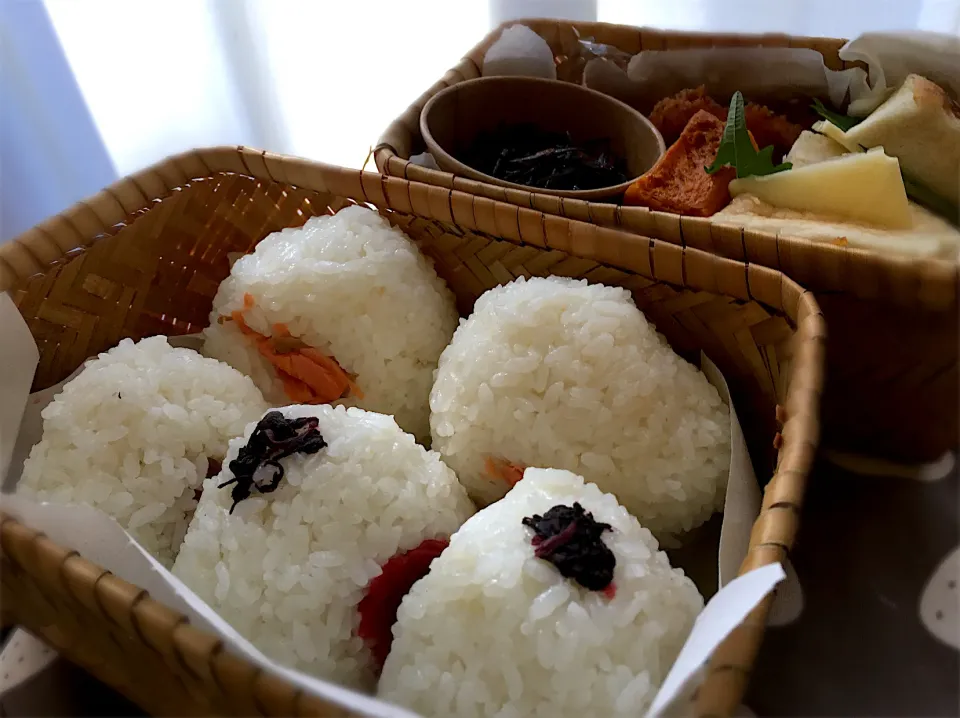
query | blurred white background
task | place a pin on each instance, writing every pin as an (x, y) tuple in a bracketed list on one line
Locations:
[(95, 89)]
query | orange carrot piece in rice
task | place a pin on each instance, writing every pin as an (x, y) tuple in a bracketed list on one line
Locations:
[(237, 316), (503, 470), (331, 365), (325, 384), (309, 376), (295, 389)]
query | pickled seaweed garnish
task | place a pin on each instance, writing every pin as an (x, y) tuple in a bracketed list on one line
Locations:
[(528, 155), (570, 539), (276, 437)]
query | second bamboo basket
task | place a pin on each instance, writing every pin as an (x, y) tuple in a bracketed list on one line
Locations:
[(893, 380)]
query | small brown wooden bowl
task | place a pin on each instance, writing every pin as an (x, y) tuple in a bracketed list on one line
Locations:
[(453, 118)]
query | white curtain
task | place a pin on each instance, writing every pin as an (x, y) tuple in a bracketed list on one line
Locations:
[(96, 88), (51, 154), (319, 79), (826, 18)]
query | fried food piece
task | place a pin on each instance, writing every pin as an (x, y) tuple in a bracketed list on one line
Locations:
[(768, 128), (672, 114), (679, 183)]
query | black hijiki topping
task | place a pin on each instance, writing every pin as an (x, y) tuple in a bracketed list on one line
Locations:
[(569, 538), (535, 157), (257, 465)]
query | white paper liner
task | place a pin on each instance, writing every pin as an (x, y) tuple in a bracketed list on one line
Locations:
[(786, 72), (724, 70), (894, 55)]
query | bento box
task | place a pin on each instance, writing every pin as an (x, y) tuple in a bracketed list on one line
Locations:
[(894, 319), (145, 257)]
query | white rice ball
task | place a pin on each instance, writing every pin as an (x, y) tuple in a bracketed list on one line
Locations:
[(520, 51), (560, 373), (288, 569), (494, 631), (131, 435), (357, 290)]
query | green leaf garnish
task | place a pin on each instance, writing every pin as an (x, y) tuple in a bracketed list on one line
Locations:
[(844, 122), (923, 195), (736, 149)]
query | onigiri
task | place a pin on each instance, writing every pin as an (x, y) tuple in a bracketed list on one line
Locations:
[(553, 601), (135, 434), (320, 521), (557, 372), (343, 310)]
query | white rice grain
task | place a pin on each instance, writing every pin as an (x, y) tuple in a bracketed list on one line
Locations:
[(289, 568), (493, 630), (131, 435), (354, 288), (556, 372)]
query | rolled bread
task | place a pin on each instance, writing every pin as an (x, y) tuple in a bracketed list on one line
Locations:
[(919, 124)]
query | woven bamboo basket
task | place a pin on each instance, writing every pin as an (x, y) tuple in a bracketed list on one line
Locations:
[(145, 257), (895, 321)]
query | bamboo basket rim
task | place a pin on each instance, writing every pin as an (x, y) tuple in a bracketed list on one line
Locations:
[(65, 236), (934, 282), (36, 250)]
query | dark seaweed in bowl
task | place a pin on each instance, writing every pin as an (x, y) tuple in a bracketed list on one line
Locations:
[(528, 155)]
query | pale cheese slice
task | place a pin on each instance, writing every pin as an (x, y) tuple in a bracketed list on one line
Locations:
[(828, 129), (862, 187), (811, 148), (918, 124)]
